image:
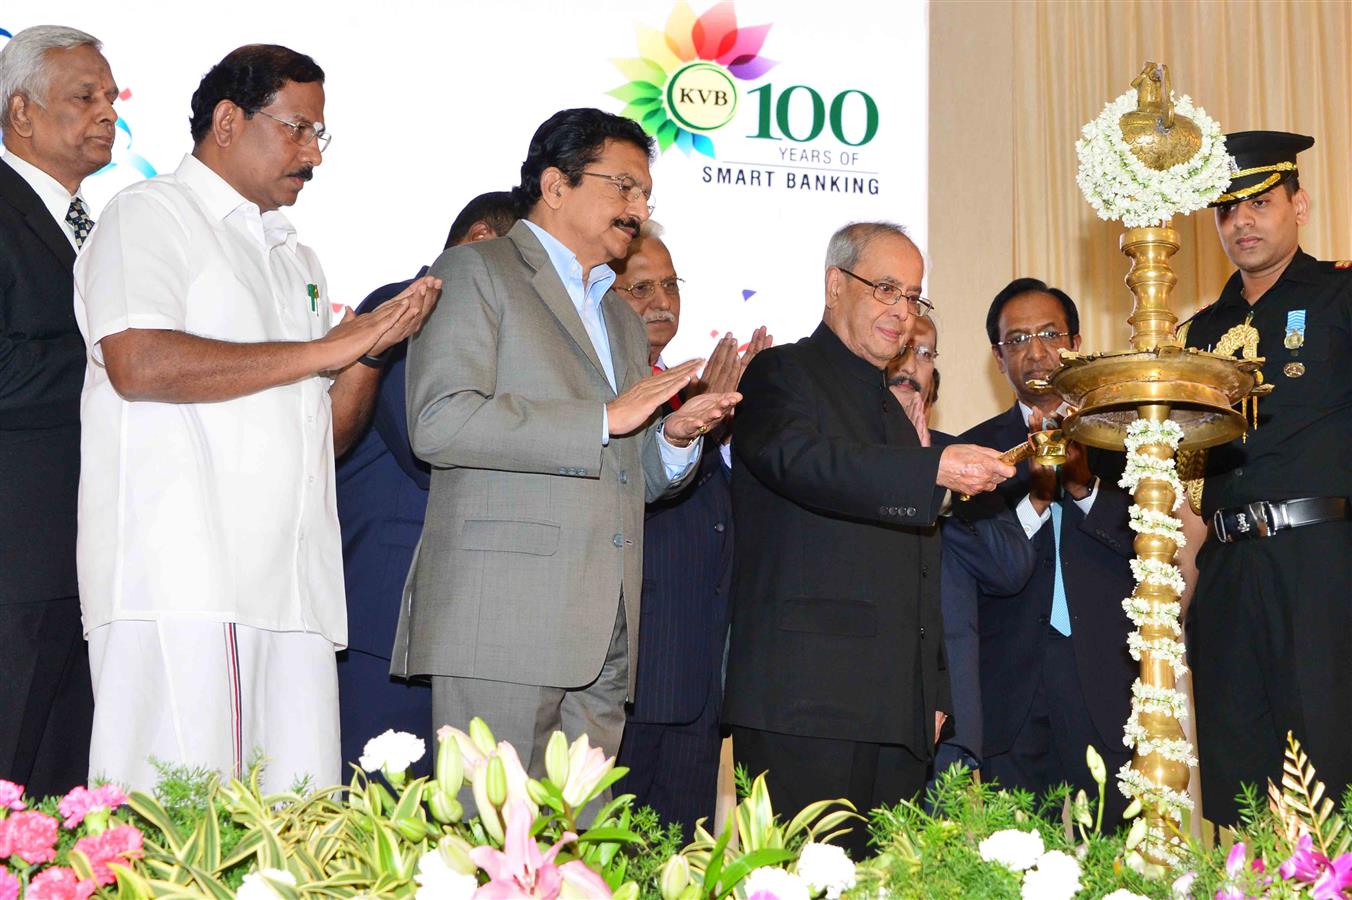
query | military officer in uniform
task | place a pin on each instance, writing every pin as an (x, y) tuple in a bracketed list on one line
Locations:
[(1270, 629)]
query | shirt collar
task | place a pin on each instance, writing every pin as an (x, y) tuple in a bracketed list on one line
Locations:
[(566, 265), (1302, 269), (51, 192), (845, 359), (222, 201)]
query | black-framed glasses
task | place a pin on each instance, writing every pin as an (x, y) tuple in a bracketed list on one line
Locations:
[(922, 353), (888, 293), (642, 290), (1020, 341), (629, 189), (303, 133)]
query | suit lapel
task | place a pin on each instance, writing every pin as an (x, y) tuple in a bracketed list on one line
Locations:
[(18, 194), (550, 288), (628, 365)]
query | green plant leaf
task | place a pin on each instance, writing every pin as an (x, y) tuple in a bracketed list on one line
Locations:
[(739, 868)]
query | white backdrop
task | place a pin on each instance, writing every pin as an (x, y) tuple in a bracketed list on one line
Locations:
[(432, 103)]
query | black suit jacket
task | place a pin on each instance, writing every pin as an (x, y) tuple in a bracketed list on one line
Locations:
[(687, 570), (1095, 554), (836, 625), (42, 363)]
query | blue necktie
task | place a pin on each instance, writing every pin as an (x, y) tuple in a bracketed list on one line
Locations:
[(1060, 611)]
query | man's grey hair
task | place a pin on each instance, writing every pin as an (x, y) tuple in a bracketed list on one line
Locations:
[(23, 62), (848, 243), (651, 228)]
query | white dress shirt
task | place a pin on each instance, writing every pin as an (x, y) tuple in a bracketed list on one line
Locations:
[(586, 297), (218, 511), (51, 192), (1031, 520)]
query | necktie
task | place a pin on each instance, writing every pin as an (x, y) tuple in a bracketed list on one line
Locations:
[(675, 401), (1060, 611), (77, 217)]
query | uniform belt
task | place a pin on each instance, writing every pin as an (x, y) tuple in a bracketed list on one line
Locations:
[(1264, 519)]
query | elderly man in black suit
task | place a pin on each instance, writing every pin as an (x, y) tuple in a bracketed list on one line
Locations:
[(56, 107), (671, 735), (836, 676), (1055, 672)]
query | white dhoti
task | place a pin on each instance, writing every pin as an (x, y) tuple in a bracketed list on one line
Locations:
[(215, 695)]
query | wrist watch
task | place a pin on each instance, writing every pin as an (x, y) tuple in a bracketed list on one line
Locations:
[(375, 362)]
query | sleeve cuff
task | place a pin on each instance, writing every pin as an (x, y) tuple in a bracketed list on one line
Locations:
[(1029, 517), (677, 459), (1087, 502)]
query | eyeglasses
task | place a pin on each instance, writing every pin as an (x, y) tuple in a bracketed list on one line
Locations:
[(642, 290), (629, 188), (888, 293), (1020, 341), (303, 133), (922, 353)]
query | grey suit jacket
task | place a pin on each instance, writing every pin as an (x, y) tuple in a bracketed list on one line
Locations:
[(534, 530)]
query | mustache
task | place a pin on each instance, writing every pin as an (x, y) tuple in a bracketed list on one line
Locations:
[(659, 315), (305, 173), (627, 222), (905, 379)]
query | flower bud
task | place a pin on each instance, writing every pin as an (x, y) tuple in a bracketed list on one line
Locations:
[(1080, 809), (1096, 765), (495, 781), (412, 829), (445, 808), (481, 735), (1133, 809), (626, 891), (450, 764), (537, 793), (455, 851), (1136, 834), (675, 877), (556, 759)]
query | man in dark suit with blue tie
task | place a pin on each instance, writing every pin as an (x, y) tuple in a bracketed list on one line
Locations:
[(1055, 672), (382, 496), (671, 734)]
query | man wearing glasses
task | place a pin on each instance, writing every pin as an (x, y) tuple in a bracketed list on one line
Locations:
[(530, 395), (1055, 672), (218, 389), (836, 674)]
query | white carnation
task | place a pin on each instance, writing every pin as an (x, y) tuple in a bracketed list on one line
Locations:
[(1013, 849), (393, 751), (826, 867), (1055, 877), (255, 888), (438, 881), (778, 883)]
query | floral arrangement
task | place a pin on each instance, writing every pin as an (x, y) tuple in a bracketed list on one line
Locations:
[(391, 836), (1120, 186), (1146, 609)]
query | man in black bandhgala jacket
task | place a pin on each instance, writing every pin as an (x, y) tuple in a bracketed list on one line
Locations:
[(836, 676)]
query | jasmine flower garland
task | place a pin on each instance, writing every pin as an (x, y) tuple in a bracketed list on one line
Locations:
[(1120, 186)]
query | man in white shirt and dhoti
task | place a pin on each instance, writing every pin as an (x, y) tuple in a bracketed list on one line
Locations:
[(218, 387)]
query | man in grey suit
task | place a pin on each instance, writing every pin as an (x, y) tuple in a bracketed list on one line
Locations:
[(530, 394)]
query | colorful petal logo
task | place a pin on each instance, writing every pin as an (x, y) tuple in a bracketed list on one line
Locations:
[(683, 83)]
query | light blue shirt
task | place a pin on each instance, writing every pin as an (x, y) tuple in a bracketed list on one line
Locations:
[(586, 297)]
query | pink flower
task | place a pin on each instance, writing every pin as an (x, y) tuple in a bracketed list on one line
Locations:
[(59, 883), (116, 845), (587, 765), (9, 885), (520, 871), (30, 835), (11, 797), (1329, 878), (81, 801)]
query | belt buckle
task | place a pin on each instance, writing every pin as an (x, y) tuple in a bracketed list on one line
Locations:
[(1218, 525), (1264, 517)]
